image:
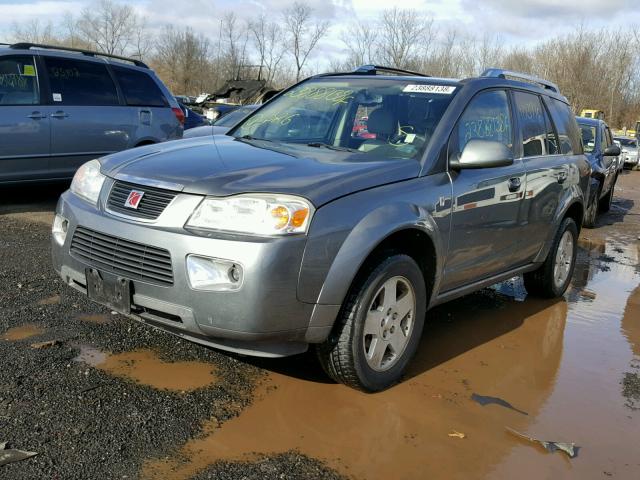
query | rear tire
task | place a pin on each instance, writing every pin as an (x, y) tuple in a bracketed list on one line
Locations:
[(552, 278), (592, 212), (379, 326)]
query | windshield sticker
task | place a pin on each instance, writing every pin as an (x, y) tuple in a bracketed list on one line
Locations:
[(326, 94), (29, 71), (441, 89), (57, 97)]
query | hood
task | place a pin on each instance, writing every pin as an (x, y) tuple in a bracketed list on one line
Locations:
[(204, 131), (223, 165)]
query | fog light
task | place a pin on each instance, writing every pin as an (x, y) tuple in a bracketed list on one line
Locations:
[(59, 229), (214, 274)]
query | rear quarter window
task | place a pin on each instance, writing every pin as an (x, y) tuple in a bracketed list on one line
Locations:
[(568, 131), (18, 81), (139, 89), (75, 82)]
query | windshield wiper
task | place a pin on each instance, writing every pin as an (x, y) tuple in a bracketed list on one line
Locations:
[(249, 137), (332, 147)]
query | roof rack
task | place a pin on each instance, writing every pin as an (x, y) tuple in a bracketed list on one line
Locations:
[(89, 53), (374, 69), (508, 74)]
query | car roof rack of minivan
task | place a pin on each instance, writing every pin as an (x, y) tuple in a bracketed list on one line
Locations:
[(89, 53), (500, 73), (374, 69)]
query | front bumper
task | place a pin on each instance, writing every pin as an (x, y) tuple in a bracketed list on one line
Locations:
[(264, 317), (630, 160)]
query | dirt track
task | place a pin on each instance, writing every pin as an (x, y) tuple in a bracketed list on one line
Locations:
[(115, 399)]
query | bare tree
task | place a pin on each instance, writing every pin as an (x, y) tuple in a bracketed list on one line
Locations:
[(182, 61), (360, 42), (34, 32), (303, 33), (267, 40), (235, 38), (405, 36), (109, 26)]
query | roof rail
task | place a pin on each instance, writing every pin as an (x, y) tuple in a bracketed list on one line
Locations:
[(374, 69), (89, 53), (508, 74)]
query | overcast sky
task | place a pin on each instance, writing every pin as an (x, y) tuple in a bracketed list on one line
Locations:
[(517, 21)]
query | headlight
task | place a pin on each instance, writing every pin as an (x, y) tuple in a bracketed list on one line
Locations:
[(254, 214), (87, 182)]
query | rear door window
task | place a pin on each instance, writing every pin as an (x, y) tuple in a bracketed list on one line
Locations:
[(487, 117), (139, 88), (538, 136), (18, 81), (565, 122), (76, 82)]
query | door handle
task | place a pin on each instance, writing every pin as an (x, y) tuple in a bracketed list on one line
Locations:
[(59, 114), (37, 116), (514, 184)]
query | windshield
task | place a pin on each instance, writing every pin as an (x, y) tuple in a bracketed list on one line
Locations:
[(233, 117), (627, 142), (588, 137), (376, 117)]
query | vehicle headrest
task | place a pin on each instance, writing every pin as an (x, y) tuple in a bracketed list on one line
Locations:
[(382, 121)]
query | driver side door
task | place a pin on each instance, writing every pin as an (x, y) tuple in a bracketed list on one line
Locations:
[(488, 215)]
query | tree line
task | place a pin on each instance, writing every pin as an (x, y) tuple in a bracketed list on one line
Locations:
[(596, 69)]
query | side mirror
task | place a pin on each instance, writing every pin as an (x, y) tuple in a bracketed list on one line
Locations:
[(483, 154), (612, 151)]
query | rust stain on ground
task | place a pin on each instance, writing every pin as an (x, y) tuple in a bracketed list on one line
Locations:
[(23, 332), (147, 368), (53, 300)]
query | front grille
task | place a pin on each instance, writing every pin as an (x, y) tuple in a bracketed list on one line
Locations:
[(123, 257), (153, 202)]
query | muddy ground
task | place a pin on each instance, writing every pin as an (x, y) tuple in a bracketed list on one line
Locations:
[(97, 395)]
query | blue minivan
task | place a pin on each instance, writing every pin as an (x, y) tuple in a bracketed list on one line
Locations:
[(60, 107)]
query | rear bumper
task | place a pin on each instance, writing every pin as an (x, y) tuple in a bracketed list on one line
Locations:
[(264, 317)]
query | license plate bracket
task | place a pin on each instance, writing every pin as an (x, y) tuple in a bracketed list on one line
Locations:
[(109, 290)]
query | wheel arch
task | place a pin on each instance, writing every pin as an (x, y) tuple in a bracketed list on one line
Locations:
[(571, 206), (371, 238)]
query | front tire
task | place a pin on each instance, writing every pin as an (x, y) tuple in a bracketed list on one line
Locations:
[(552, 278), (379, 326)]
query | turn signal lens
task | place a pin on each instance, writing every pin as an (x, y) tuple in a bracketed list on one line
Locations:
[(300, 217)]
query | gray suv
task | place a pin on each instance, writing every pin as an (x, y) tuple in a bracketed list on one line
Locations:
[(60, 107), (296, 229)]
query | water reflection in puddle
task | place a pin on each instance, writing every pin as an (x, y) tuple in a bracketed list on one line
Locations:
[(560, 361)]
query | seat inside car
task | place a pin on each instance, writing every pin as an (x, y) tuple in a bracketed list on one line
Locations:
[(384, 124)]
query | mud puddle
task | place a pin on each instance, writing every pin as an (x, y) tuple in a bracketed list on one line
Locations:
[(562, 362), (147, 368), (23, 332)]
